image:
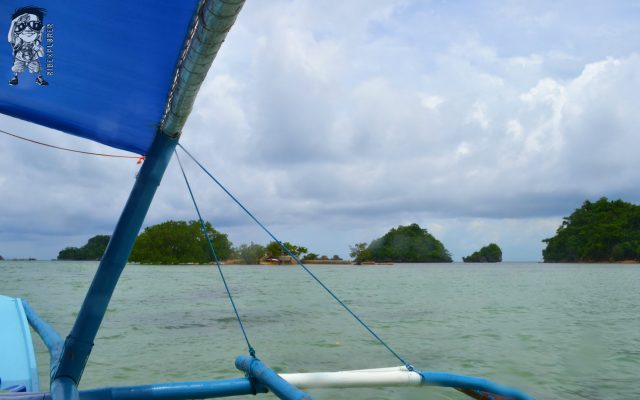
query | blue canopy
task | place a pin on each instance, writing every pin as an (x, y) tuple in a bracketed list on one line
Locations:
[(101, 70)]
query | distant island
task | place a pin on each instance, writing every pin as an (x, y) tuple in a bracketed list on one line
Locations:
[(183, 242), (601, 231), (1, 258), (91, 251), (313, 258), (402, 244), (490, 253)]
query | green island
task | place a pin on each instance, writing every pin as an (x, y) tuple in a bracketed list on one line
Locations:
[(601, 231), (402, 244), (490, 253), (182, 242)]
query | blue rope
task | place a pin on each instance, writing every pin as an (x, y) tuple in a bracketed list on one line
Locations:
[(409, 366), (215, 257)]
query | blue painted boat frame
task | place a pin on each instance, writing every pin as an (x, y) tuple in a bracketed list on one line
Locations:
[(18, 366)]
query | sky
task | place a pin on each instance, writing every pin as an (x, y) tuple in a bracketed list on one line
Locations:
[(335, 121)]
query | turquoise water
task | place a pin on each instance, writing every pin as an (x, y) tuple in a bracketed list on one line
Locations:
[(555, 331)]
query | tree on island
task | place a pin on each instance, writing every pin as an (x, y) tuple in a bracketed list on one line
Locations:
[(360, 253), (92, 251), (598, 231), (403, 244), (490, 253), (310, 257), (250, 253), (274, 250), (179, 242)]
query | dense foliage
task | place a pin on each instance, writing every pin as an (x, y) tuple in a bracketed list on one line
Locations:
[(179, 242), (93, 250), (249, 253), (359, 252), (403, 244), (598, 231), (489, 253)]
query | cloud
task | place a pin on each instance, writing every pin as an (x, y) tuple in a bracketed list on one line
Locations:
[(431, 102)]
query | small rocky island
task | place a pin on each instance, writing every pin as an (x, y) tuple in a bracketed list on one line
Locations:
[(92, 250), (402, 244), (488, 254)]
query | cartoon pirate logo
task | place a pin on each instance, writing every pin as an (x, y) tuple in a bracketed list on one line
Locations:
[(25, 37)]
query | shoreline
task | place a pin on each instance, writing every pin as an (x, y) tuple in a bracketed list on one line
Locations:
[(343, 262)]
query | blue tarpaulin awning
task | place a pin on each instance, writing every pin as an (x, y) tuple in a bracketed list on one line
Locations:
[(107, 66)]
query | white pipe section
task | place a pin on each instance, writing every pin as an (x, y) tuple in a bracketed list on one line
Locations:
[(393, 376)]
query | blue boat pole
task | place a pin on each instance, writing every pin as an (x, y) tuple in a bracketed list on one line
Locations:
[(47, 333), (256, 369), (209, 27), (471, 383), (78, 344), (176, 390)]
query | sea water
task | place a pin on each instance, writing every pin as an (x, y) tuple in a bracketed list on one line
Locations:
[(555, 331)]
